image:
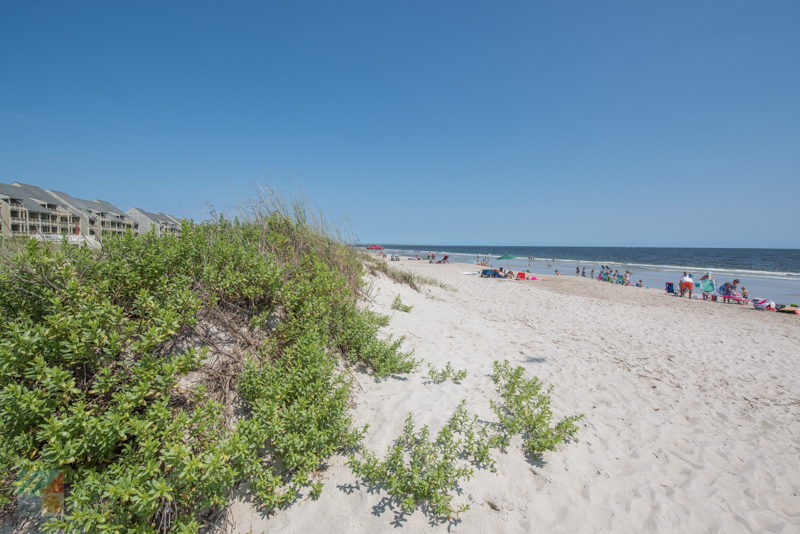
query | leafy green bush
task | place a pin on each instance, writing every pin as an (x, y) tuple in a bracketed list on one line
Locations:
[(95, 374), (422, 472), (526, 409), (448, 372), (299, 412)]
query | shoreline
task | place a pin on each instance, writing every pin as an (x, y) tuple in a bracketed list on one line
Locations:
[(782, 291), (691, 411)]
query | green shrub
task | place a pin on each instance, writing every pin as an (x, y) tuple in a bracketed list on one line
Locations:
[(299, 412), (448, 372), (526, 409), (423, 473), (91, 374), (420, 472)]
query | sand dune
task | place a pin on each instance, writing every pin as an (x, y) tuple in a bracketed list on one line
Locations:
[(692, 410)]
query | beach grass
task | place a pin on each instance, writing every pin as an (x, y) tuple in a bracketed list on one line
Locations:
[(416, 281)]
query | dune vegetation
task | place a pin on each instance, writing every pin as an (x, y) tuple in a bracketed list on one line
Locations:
[(158, 374)]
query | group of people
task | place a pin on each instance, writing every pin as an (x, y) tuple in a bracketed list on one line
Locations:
[(606, 274), (499, 272), (430, 256), (728, 292)]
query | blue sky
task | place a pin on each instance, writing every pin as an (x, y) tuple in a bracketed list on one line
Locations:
[(444, 122)]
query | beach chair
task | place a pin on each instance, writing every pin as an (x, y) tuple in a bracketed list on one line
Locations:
[(708, 287), (669, 288)]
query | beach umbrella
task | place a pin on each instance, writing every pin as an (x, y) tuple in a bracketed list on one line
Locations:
[(374, 247), (506, 257)]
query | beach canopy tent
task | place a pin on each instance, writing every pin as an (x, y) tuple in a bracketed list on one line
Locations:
[(374, 247)]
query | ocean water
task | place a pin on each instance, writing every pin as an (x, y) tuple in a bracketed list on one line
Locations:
[(768, 273)]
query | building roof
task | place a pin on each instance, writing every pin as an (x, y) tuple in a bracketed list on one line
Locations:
[(161, 218), (97, 206), (30, 199)]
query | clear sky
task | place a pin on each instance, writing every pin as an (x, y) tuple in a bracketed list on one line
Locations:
[(431, 121)]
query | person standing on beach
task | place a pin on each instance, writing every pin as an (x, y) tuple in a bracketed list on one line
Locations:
[(592, 274), (687, 284), (577, 271)]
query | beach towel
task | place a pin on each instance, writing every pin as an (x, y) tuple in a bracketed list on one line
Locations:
[(763, 304)]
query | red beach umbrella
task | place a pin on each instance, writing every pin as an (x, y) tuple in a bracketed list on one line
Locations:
[(374, 247)]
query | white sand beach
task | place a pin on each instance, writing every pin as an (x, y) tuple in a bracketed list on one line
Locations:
[(692, 410)]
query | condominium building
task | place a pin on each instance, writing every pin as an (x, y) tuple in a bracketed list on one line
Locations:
[(97, 217), (160, 223), (27, 210)]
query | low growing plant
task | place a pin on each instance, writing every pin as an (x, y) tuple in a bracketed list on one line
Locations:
[(423, 472), (526, 409), (419, 472), (448, 372), (397, 304)]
